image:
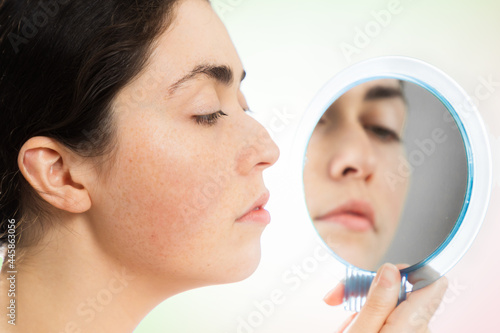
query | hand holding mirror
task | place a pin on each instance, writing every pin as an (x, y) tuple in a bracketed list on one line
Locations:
[(396, 168)]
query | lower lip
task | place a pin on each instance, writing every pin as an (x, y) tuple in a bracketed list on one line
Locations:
[(350, 221), (259, 216)]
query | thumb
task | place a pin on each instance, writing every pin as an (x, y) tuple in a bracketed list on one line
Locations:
[(380, 302)]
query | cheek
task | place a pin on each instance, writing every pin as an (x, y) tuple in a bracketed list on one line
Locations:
[(169, 197), (315, 173)]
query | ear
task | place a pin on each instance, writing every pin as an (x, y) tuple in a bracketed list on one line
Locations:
[(50, 168)]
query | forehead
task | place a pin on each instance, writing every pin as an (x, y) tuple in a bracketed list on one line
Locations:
[(375, 90), (196, 36), (381, 90), (361, 89)]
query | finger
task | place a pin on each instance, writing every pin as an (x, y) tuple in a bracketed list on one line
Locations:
[(346, 323), (421, 277), (381, 301), (336, 295), (402, 266), (414, 314)]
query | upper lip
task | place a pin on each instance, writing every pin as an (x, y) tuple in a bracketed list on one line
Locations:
[(259, 203), (355, 207)]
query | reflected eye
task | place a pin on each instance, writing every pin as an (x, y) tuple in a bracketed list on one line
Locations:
[(384, 134), (209, 119)]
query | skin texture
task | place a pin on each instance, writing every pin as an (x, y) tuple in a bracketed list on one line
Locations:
[(355, 144), (158, 216), (162, 217)]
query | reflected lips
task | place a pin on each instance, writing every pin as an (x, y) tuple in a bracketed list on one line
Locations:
[(257, 213), (354, 215)]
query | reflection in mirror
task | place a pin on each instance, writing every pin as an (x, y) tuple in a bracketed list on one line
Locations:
[(385, 174)]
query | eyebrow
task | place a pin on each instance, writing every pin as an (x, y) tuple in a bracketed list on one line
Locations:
[(381, 92), (221, 73)]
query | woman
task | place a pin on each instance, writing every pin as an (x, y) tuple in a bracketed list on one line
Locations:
[(129, 164), (357, 142)]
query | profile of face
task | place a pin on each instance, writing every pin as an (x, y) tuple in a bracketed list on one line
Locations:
[(174, 200), (189, 163), (356, 143), (183, 203)]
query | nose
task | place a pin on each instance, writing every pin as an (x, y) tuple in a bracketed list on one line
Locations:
[(258, 151), (353, 156)]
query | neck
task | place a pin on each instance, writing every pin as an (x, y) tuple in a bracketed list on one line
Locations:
[(67, 284)]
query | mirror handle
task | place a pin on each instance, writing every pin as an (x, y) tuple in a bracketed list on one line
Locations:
[(358, 283)]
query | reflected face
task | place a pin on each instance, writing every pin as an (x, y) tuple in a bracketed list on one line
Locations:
[(189, 163), (353, 148)]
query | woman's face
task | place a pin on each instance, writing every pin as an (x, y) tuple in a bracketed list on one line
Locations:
[(354, 205), (189, 162)]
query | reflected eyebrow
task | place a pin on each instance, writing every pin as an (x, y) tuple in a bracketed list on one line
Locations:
[(381, 92), (221, 73)]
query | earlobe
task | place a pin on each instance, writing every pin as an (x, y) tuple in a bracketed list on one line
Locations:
[(48, 167)]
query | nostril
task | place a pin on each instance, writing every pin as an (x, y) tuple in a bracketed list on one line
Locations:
[(348, 171)]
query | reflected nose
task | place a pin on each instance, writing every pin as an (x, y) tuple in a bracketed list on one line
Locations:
[(353, 157), (259, 151)]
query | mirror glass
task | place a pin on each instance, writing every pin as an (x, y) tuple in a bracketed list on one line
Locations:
[(385, 174)]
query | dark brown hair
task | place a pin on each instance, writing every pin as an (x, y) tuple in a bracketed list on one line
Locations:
[(62, 62)]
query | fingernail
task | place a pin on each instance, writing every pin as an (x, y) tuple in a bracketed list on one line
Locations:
[(387, 276)]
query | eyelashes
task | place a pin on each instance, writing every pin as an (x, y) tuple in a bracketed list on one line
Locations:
[(209, 119), (380, 132), (213, 118), (384, 134)]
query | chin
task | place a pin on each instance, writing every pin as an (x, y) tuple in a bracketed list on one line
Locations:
[(242, 267), (354, 257)]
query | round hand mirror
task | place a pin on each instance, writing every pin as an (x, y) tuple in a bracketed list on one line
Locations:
[(395, 168)]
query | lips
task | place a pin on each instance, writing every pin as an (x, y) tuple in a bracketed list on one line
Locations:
[(256, 213), (355, 215)]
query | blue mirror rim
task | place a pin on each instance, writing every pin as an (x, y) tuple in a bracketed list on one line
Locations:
[(403, 71)]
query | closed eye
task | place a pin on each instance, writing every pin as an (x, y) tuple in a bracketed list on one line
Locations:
[(209, 119), (383, 133)]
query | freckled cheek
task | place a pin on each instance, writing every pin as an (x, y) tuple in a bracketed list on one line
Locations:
[(168, 199), (156, 193)]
